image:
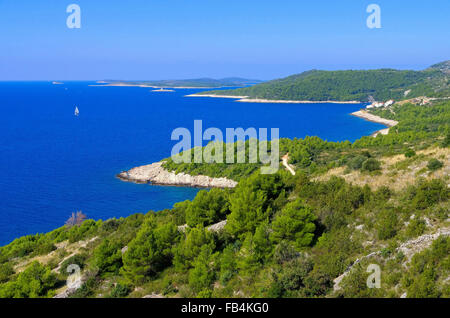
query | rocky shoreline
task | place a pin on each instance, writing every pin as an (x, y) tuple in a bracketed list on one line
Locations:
[(155, 174)]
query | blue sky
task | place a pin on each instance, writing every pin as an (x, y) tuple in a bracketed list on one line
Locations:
[(148, 39)]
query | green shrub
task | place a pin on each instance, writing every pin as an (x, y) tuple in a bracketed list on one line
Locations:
[(387, 224), (108, 257), (35, 281), (87, 289), (77, 259), (415, 227), (434, 164), (6, 271), (120, 291), (150, 251), (207, 207), (426, 268), (428, 193), (446, 142), (201, 276), (295, 223), (356, 162), (410, 153), (370, 165)]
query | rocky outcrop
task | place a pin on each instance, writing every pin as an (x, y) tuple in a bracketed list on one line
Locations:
[(338, 279), (409, 249), (216, 227), (157, 175), (153, 295)]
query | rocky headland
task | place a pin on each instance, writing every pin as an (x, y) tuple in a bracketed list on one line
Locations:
[(156, 174)]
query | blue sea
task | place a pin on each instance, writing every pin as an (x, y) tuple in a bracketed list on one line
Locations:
[(54, 163)]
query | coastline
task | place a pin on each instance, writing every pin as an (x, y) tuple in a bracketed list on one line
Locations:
[(246, 99), (152, 86), (376, 119), (218, 96), (155, 174)]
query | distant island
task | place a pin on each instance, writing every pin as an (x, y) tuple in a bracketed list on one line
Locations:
[(185, 83), (348, 85)]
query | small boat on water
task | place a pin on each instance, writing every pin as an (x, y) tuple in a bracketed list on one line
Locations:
[(77, 112)]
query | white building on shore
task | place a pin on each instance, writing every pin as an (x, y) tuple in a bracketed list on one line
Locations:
[(389, 103), (380, 104)]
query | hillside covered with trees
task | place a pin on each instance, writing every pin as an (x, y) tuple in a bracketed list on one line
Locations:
[(352, 85), (312, 234)]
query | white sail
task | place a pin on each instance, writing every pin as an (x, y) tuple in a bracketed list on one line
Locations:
[(77, 112)]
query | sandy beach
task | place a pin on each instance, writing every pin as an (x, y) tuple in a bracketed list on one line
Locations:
[(246, 99), (376, 119), (258, 100)]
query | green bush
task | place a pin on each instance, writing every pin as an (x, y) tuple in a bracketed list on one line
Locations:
[(428, 193), (207, 207), (6, 271), (295, 223), (371, 164), (356, 162), (120, 291), (150, 251), (387, 224), (35, 281), (410, 153), (434, 164), (77, 259), (425, 270), (416, 227), (87, 289), (108, 256), (201, 276)]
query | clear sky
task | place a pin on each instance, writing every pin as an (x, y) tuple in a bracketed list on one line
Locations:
[(169, 39)]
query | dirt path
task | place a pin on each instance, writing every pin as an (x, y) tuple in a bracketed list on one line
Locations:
[(285, 160)]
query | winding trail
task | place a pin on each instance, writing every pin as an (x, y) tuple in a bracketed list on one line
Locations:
[(285, 160)]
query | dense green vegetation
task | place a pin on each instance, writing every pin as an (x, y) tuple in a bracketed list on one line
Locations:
[(352, 85), (421, 126), (285, 235)]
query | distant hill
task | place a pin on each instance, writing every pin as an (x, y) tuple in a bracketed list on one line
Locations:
[(197, 82), (352, 85), (443, 66)]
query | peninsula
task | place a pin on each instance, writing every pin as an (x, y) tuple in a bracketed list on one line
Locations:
[(376, 119), (156, 174)]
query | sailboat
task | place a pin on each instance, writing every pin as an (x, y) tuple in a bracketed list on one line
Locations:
[(77, 112)]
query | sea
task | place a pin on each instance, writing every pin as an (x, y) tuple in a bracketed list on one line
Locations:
[(54, 163)]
